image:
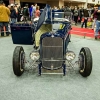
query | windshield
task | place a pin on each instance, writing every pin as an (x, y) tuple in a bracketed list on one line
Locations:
[(54, 17), (56, 27)]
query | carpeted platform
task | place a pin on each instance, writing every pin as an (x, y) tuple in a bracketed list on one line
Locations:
[(82, 32)]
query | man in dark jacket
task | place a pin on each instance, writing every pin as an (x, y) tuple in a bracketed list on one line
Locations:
[(81, 13), (26, 13), (86, 15), (13, 14)]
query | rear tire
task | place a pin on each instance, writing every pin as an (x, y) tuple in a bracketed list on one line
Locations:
[(18, 61), (85, 61)]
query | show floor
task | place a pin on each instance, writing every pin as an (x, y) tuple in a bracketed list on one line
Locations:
[(30, 86)]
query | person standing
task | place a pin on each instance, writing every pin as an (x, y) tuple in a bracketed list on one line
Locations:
[(86, 15), (81, 13), (13, 14), (16, 9), (37, 12), (94, 15), (19, 13), (97, 22), (76, 13), (4, 18), (72, 10), (62, 8), (31, 12), (26, 13)]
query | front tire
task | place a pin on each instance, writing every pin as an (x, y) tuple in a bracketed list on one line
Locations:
[(18, 61), (85, 62)]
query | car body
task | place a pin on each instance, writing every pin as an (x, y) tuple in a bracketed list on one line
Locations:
[(53, 52)]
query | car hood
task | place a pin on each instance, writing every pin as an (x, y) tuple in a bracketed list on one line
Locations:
[(42, 17)]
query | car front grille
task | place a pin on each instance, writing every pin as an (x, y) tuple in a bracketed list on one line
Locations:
[(52, 52)]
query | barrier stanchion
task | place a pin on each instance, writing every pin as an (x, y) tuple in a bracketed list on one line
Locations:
[(3, 31), (4, 28)]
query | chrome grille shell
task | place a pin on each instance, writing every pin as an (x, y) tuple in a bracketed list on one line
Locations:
[(52, 52)]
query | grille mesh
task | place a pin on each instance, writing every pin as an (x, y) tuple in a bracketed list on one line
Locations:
[(52, 50)]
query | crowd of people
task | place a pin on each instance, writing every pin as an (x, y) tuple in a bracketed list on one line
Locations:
[(86, 16), (14, 13)]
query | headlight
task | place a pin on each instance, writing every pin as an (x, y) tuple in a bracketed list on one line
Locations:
[(70, 55), (34, 55)]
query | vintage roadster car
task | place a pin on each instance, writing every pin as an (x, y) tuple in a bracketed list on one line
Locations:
[(52, 53)]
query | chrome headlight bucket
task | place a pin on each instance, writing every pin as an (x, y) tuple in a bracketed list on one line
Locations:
[(70, 55), (34, 56)]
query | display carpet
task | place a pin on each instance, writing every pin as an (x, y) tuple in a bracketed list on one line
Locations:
[(82, 32)]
